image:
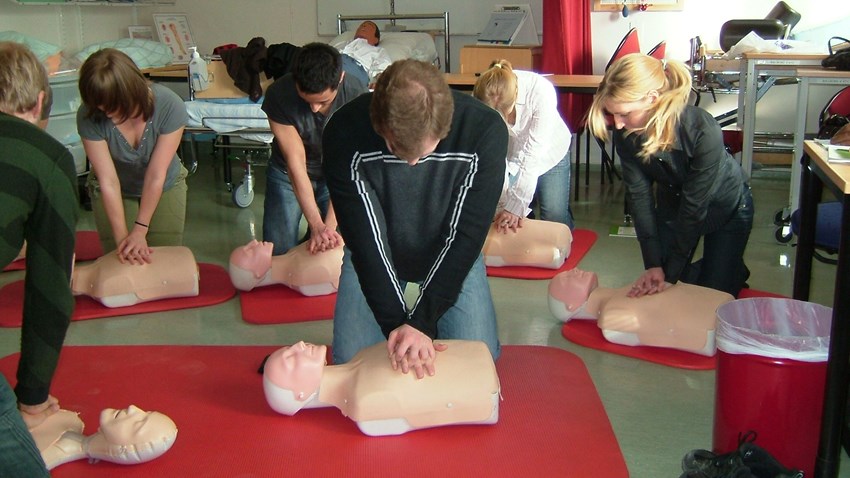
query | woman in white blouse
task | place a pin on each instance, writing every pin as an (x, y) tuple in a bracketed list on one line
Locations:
[(538, 162)]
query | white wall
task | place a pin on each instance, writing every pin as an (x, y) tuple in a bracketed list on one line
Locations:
[(296, 21), (212, 22), (215, 23)]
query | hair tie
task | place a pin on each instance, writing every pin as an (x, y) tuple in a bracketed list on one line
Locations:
[(664, 64), (497, 65)]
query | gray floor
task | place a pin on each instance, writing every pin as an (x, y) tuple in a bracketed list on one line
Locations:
[(658, 413)]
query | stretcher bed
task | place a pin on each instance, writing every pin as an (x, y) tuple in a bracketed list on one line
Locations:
[(239, 128)]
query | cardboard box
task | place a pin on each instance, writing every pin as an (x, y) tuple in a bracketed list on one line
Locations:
[(477, 58)]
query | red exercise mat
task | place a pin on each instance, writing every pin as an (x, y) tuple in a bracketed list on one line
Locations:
[(750, 293), (279, 304), (586, 333), (215, 287), (86, 248), (551, 421), (583, 240)]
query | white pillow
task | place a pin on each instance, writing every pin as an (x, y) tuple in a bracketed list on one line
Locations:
[(145, 53), (399, 45), (41, 49)]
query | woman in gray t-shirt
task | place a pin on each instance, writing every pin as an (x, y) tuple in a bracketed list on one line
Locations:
[(131, 129)]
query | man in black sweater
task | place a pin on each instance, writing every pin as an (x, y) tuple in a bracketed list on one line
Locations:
[(415, 171)]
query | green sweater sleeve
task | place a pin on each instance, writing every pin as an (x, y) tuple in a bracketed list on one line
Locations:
[(40, 206)]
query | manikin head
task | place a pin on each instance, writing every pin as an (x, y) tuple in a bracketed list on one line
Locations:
[(131, 436), (368, 31), (292, 375), (250, 264), (569, 291)]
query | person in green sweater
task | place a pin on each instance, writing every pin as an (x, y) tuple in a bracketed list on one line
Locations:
[(38, 191)]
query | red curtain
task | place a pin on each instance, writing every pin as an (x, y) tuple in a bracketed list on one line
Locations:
[(567, 50)]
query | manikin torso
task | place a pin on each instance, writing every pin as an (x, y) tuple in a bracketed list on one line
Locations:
[(172, 272), (253, 265), (681, 317), (383, 401), (537, 243)]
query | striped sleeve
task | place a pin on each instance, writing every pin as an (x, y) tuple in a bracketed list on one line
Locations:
[(38, 187)]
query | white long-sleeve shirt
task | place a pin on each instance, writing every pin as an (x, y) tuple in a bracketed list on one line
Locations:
[(539, 139), (374, 59)]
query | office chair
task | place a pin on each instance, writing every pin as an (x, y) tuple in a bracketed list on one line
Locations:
[(828, 222), (734, 30), (839, 104), (785, 14), (659, 51), (827, 229), (777, 24), (629, 44)]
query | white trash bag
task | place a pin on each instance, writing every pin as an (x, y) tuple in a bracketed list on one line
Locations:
[(776, 328)]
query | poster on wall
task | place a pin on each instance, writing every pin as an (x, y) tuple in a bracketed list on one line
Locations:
[(141, 32), (173, 30)]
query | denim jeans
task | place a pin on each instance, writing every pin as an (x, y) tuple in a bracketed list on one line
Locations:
[(352, 67), (18, 453), (281, 211), (553, 193), (722, 265), (472, 317)]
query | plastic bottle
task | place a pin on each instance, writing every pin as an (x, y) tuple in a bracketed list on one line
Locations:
[(198, 71)]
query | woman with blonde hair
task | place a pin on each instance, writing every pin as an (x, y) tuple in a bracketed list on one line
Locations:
[(681, 183), (538, 161)]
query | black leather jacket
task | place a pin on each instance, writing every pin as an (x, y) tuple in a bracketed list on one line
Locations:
[(697, 188)]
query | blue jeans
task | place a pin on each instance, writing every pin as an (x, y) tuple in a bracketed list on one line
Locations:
[(352, 67), (18, 453), (553, 193), (281, 211), (722, 265), (472, 317)]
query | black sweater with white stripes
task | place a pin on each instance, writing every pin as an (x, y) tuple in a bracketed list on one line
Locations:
[(424, 223)]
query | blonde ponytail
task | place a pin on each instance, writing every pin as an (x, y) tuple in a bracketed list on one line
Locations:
[(497, 86), (629, 80), (661, 127)]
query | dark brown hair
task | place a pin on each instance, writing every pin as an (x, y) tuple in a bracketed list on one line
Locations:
[(110, 82)]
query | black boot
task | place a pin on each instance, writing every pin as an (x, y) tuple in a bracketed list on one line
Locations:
[(706, 464), (747, 461)]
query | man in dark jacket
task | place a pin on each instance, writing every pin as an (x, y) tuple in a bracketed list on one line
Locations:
[(415, 171)]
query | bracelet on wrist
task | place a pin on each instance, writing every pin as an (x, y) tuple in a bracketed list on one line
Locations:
[(141, 224)]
